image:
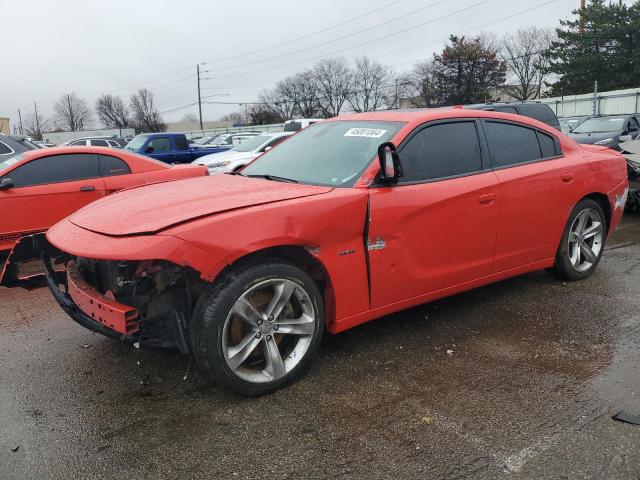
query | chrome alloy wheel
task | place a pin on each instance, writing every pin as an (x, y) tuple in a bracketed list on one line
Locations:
[(585, 239), (268, 330)]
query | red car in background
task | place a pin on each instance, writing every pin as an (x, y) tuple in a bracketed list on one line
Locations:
[(247, 271), (40, 187)]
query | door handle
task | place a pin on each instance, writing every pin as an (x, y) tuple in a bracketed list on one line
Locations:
[(566, 177), (87, 188), (487, 198)]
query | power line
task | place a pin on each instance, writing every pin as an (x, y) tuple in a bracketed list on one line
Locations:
[(337, 39), (317, 32), (408, 29), (487, 24)]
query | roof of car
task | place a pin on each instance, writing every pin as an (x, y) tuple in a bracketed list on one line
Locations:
[(427, 114)]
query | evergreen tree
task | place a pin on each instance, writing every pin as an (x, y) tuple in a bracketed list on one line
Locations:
[(466, 71), (608, 50)]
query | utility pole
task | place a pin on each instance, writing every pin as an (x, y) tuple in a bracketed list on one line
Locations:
[(199, 96), (20, 117), (37, 120), (582, 7)]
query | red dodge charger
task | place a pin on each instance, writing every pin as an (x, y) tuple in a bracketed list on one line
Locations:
[(348, 220)]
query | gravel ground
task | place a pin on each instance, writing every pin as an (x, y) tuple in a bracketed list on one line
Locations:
[(514, 380)]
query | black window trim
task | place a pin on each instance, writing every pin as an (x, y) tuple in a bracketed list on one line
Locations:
[(484, 151), (8, 174), (556, 142)]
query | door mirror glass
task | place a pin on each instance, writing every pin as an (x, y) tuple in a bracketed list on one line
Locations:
[(389, 162), (6, 183), (149, 149)]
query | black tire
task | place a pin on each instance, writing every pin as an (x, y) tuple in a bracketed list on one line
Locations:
[(563, 267), (210, 315)]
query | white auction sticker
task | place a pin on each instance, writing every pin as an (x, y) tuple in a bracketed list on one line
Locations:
[(365, 132)]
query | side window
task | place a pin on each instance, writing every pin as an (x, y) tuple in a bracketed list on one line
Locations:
[(633, 125), (99, 143), (79, 143), (441, 151), (56, 169), (113, 144), (511, 144), (110, 166), (4, 149), (160, 144), (547, 145), (181, 143)]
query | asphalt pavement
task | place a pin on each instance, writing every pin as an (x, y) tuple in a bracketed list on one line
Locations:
[(519, 379)]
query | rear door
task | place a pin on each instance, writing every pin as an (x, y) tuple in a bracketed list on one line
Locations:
[(46, 190), (535, 192), (162, 149), (117, 175), (182, 153), (437, 227)]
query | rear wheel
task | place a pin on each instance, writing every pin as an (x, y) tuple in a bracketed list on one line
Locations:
[(260, 329), (582, 243)]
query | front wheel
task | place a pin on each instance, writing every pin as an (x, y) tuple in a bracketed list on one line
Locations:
[(258, 330), (582, 242)]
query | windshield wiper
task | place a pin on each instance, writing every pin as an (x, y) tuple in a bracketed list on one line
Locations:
[(274, 178)]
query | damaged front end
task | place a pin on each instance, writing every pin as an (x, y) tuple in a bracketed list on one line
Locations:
[(147, 303)]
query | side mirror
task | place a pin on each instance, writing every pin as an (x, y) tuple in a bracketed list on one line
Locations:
[(6, 183), (148, 149), (390, 168)]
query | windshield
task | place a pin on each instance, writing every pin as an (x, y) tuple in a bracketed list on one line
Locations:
[(251, 143), (8, 162), (137, 142), (327, 153), (568, 124), (202, 140), (600, 125)]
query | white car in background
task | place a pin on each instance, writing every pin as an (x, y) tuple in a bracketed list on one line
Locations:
[(240, 155)]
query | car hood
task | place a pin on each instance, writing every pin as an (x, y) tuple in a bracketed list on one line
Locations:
[(223, 156), (150, 209), (589, 138)]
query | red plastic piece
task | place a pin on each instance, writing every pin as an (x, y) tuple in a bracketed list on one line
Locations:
[(110, 313)]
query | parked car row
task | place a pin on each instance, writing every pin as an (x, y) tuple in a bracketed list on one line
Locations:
[(42, 186)]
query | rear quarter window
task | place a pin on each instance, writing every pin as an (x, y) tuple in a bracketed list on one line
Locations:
[(511, 144)]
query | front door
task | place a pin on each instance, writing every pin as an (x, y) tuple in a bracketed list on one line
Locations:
[(437, 227), (45, 191)]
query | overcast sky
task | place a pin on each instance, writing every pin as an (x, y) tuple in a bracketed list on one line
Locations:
[(99, 46)]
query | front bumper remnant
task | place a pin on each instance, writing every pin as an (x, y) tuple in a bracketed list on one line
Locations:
[(108, 312), (66, 302)]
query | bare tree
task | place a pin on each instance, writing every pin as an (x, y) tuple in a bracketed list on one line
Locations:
[(335, 84), (233, 117), (35, 125), (524, 54), (112, 111), (145, 115), (264, 114), (280, 103), (190, 117), (371, 82), (72, 113)]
